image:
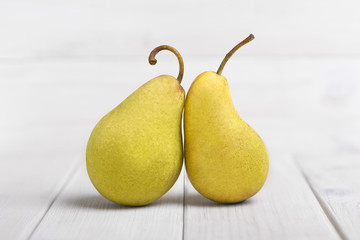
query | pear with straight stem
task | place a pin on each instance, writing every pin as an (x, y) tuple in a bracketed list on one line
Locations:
[(226, 160)]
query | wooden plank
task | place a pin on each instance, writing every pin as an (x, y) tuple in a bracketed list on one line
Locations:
[(35, 163), (80, 212), (284, 209), (28, 186), (335, 181)]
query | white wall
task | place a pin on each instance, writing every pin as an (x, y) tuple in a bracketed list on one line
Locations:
[(108, 28)]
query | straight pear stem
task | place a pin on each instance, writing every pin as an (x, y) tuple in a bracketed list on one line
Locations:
[(228, 56), (153, 61)]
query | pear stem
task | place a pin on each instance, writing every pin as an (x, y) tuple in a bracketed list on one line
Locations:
[(153, 61), (228, 56)]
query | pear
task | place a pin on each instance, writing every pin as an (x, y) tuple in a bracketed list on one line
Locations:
[(226, 160), (135, 154)]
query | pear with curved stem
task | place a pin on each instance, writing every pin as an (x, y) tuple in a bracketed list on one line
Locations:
[(226, 160), (134, 154)]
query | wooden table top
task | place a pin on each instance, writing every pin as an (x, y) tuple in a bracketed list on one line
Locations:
[(306, 110)]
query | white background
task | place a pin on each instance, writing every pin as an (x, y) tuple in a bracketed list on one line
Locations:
[(110, 28)]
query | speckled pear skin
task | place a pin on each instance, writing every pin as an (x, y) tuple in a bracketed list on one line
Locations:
[(226, 160), (135, 153)]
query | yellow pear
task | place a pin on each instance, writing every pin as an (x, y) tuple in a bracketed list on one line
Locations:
[(226, 160), (135, 153)]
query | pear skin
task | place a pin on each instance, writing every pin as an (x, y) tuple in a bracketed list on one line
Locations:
[(135, 154), (226, 160)]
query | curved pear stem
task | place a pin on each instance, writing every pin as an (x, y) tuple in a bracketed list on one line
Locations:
[(153, 61), (228, 56)]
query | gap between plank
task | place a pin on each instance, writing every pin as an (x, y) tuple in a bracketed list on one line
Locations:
[(183, 230), (61, 188), (325, 207)]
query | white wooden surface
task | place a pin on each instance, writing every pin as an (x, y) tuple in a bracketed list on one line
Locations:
[(284, 209), (28, 186), (33, 169), (335, 181), (81, 213), (298, 105)]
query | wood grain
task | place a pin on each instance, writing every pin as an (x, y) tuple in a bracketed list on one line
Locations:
[(80, 212), (30, 181), (284, 209), (335, 181)]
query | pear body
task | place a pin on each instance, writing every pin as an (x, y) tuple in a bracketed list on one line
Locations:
[(134, 154), (226, 160)]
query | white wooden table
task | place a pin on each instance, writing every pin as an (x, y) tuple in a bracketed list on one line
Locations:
[(307, 111)]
